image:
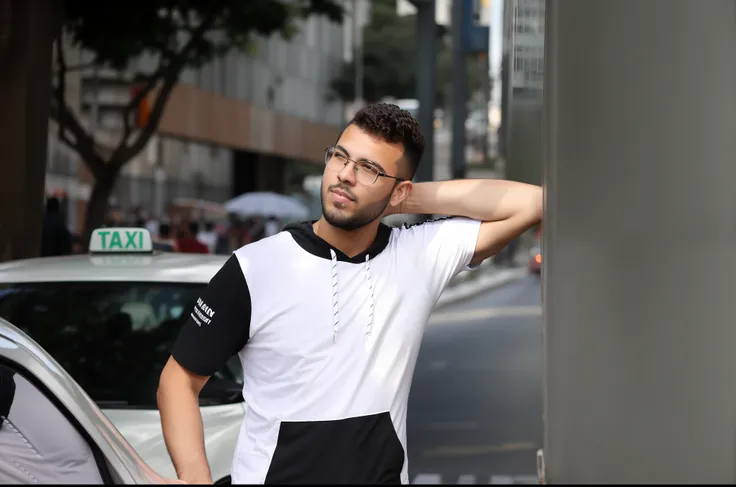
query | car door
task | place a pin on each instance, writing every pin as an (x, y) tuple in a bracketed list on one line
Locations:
[(50, 430)]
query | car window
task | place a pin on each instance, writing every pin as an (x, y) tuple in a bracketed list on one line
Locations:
[(113, 338), (38, 443)]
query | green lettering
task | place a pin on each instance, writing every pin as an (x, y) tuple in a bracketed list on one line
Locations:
[(115, 241), (104, 238), (131, 239), (140, 240)]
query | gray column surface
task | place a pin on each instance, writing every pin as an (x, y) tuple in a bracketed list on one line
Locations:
[(640, 241)]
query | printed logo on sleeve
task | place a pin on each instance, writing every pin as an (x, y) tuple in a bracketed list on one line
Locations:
[(202, 313)]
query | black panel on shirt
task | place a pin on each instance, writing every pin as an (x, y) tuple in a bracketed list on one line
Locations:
[(219, 325), (362, 450)]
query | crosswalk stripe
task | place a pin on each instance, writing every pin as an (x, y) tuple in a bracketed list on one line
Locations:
[(427, 478), (470, 479), (501, 479), (526, 479)]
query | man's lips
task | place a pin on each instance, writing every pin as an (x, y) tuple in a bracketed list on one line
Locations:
[(341, 195)]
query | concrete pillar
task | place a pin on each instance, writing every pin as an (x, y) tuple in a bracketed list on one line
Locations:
[(640, 241)]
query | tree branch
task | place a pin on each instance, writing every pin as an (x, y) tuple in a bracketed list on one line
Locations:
[(169, 73), (82, 143), (61, 81)]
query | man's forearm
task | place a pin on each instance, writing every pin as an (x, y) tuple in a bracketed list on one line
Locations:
[(183, 431), (480, 199)]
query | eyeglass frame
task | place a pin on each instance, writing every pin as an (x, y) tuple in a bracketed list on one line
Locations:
[(376, 166)]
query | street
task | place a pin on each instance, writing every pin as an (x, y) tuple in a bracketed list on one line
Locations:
[(475, 409)]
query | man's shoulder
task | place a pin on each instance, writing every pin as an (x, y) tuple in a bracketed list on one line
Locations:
[(420, 223), (268, 248), (438, 229)]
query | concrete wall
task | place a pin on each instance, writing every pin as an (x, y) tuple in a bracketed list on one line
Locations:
[(640, 236)]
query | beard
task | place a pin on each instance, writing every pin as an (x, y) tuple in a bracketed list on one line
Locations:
[(362, 216)]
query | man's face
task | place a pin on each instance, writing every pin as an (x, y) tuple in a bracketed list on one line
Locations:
[(348, 202)]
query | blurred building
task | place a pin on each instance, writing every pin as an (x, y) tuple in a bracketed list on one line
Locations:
[(241, 123), (520, 134)]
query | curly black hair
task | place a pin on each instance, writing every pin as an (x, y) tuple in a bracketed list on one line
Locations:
[(395, 126)]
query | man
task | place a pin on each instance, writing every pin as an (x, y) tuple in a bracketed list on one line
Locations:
[(164, 242), (327, 317), (186, 239), (56, 238), (208, 236)]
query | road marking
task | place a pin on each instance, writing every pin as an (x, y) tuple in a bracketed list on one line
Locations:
[(427, 478), (501, 479), (470, 479), (523, 479), (469, 451), (485, 313)]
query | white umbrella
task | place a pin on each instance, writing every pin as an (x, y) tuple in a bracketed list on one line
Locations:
[(267, 204)]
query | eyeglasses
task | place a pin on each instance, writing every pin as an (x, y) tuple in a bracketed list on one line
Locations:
[(366, 172)]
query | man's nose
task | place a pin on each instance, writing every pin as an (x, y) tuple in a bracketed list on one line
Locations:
[(347, 174)]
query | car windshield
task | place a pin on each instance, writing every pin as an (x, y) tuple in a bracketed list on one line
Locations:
[(113, 338)]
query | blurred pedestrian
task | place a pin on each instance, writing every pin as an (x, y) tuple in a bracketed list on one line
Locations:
[(208, 236), (272, 226), (56, 237), (186, 239), (163, 240)]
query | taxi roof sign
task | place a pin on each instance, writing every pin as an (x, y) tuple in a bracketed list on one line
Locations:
[(121, 240)]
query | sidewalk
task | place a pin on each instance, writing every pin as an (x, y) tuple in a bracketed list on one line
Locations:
[(485, 278)]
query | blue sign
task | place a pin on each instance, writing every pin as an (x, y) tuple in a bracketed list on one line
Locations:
[(475, 37)]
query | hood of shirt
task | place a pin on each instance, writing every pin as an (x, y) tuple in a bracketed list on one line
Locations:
[(303, 234)]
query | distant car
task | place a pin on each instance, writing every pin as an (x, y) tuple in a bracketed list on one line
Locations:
[(535, 259), (110, 318), (51, 431)]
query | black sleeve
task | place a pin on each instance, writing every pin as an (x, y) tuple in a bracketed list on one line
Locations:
[(219, 325)]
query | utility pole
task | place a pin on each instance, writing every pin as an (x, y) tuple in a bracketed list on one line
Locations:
[(358, 52), (459, 91), (485, 87), (426, 82)]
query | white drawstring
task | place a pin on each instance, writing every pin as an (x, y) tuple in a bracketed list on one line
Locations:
[(370, 290), (335, 306)]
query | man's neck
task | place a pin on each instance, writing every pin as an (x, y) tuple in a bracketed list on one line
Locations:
[(349, 242)]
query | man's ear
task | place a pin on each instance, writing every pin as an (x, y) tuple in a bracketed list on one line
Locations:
[(400, 194)]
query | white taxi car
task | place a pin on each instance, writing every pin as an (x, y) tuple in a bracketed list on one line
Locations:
[(51, 432), (109, 318)]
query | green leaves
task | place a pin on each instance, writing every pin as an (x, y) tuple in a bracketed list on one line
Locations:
[(117, 32)]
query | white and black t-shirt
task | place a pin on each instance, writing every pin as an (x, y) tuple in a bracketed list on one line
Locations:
[(328, 345)]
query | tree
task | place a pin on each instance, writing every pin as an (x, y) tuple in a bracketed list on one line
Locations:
[(177, 35), (390, 62), (27, 31)]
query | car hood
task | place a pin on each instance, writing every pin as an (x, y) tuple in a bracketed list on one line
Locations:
[(142, 429)]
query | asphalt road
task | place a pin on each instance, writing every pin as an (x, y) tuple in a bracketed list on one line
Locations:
[(475, 410)]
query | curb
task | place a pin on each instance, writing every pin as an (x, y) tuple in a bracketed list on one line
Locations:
[(479, 285)]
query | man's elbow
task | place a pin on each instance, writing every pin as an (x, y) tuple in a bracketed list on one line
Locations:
[(175, 378)]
